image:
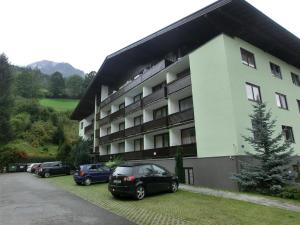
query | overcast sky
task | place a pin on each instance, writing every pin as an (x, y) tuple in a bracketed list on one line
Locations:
[(83, 32)]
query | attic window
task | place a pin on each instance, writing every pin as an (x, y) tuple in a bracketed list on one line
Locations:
[(248, 58)]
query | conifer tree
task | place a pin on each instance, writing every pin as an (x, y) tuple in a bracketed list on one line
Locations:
[(267, 167), (179, 170)]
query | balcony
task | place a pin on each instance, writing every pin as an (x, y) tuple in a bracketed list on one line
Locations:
[(146, 75), (98, 116), (104, 120), (117, 114), (104, 139), (189, 150), (179, 84), (96, 150), (89, 128), (133, 107), (97, 133), (155, 124), (181, 117), (133, 130), (117, 135), (155, 96)]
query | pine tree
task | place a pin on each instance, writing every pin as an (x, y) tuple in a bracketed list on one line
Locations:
[(267, 167), (179, 170), (6, 101)]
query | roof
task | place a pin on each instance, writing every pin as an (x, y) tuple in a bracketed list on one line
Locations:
[(233, 17)]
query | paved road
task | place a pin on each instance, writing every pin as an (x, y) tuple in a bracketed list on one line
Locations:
[(26, 199)]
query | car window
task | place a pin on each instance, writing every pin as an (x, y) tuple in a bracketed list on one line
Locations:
[(158, 170), (93, 167), (145, 170), (99, 169), (123, 170), (106, 169)]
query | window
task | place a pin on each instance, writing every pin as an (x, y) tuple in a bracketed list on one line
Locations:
[(137, 97), (186, 103), (253, 92), (188, 136), (160, 113), (298, 102), (248, 58), (161, 140), (145, 170), (159, 170), (295, 79), (158, 87), (121, 147), (81, 125), (183, 73), (107, 149), (288, 133), (122, 105), (138, 120), (281, 101), (122, 126), (275, 69), (108, 130), (138, 144)]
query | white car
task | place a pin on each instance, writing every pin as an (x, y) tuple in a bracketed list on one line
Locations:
[(30, 166)]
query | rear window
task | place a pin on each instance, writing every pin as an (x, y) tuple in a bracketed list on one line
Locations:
[(123, 170)]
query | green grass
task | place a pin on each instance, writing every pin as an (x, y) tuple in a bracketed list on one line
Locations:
[(180, 208), (60, 104)]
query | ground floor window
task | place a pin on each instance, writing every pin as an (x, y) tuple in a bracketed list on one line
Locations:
[(188, 136), (288, 133), (122, 147), (189, 175), (139, 144), (161, 140), (107, 149)]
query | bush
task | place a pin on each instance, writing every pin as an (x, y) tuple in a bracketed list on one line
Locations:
[(113, 163), (291, 192)]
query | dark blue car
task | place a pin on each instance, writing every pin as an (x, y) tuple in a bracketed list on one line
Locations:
[(92, 173)]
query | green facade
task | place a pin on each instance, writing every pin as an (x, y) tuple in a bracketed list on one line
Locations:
[(221, 106)]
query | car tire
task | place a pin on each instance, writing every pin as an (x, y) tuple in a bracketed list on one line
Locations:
[(174, 187), (140, 192), (115, 195), (47, 174), (87, 182)]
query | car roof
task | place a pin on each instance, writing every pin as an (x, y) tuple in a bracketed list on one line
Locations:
[(101, 164), (130, 164)]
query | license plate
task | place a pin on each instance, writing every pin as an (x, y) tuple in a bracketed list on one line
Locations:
[(117, 181)]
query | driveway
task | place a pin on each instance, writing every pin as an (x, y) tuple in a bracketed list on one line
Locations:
[(26, 199)]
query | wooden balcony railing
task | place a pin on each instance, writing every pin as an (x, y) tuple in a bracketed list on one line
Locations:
[(117, 135), (117, 114), (133, 130), (180, 117), (104, 139), (149, 73), (179, 84), (89, 128), (189, 150), (155, 124), (133, 107), (104, 120), (155, 96)]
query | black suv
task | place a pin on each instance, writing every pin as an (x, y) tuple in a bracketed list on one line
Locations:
[(53, 168), (137, 180)]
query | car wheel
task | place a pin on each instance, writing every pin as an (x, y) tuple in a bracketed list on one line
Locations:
[(174, 186), (78, 183), (47, 174), (87, 181), (140, 192), (116, 195)]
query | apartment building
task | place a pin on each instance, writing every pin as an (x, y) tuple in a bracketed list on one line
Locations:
[(191, 86)]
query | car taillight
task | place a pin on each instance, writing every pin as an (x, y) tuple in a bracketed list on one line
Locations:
[(81, 173), (130, 178)]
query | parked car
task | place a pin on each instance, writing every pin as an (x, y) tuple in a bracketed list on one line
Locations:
[(139, 180), (35, 167), (92, 173), (53, 168), (30, 166)]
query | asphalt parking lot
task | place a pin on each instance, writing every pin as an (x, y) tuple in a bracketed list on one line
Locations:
[(26, 199)]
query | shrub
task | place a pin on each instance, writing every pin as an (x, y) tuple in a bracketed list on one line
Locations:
[(291, 192), (113, 163), (40, 133)]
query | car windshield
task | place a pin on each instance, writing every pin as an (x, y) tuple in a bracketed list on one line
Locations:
[(123, 170)]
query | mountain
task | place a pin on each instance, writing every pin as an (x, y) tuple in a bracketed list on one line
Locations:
[(49, 67)]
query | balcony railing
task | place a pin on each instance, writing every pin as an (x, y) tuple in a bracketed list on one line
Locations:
[(155, 124), (89, 128), (179, 84), (180, 117), (133, 130), (104, 120), (104, 139), (117, 114), (155, 96), (149, 73), (117, 135), (133, 107), (168, 152)]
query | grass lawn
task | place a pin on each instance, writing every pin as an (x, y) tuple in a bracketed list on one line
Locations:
[(180, 208), (60, 104)]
